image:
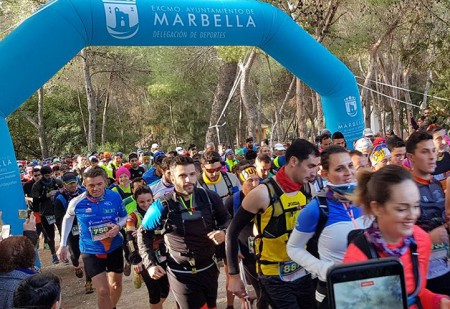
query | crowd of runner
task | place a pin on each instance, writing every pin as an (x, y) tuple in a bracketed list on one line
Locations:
[(276, 218)]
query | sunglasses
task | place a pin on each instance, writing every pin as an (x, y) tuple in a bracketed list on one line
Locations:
[(213, 170), (36, 175)]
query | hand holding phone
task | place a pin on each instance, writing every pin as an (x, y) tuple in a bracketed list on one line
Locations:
[(30, 223)]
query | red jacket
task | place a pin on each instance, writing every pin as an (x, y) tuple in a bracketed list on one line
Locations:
[(429, 299)]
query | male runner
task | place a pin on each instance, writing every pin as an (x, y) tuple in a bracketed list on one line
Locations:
[(101, 215), (274, 206), (70, 190), (193, 221), (164, 185), (135, 169), (212, 178), (442, 171), (421, 152)]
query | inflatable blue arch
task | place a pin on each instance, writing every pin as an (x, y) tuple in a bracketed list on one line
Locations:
[(51, 37)]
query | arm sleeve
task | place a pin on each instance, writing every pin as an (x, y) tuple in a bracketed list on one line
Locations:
[(305, 229), (66, 228), (152, 218), (145, 246), (131, 241), (240, 220), (221, 215)]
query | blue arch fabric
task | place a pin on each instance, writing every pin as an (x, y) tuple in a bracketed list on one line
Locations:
[(51, 37)]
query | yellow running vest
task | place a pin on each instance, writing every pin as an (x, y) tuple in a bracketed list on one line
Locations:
[(274, 226)]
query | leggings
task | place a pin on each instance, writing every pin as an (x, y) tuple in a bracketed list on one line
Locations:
[(49, 233)]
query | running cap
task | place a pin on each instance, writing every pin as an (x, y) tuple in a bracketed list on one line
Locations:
[(368, 132), (179, 150), (107, 155), (363, 144), (155, 146), (379, 153), (68, 178), (279, 147), (229, 151), (93, 159)]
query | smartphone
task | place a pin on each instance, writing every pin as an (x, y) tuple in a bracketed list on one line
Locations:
[(24, 213), (377, 283)]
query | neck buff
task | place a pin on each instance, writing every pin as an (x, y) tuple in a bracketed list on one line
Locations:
[(340, 192), (209, 182), (286, 183), (374, 235), (95, 199)]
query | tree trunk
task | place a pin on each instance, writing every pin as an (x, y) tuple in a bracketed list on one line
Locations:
[(300, 108), (318, 102), (224, 86), (258, 116), (409, 110), (82, 117), (106, 105), (250, 110), (105, 110), (427, 88), (92, 106), (41, 124)]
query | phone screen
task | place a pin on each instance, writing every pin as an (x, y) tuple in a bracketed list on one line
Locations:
[(23, 214), (381, 293), (377, 283)]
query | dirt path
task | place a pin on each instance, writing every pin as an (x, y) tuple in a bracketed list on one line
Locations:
[(73, 295)]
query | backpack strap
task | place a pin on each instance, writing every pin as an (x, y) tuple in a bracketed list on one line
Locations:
[(202, 182), (211, 208), (228, 183), (62, 199), (306, 190), (236, 202), (413, 297), (360, 241), (313, 244)]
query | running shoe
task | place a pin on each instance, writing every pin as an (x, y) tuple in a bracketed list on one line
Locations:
[(55, 259), (88, 288), (79, 272), (137, 280), (127, 269)]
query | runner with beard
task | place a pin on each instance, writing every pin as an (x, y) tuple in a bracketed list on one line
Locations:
[(135, 169), (70, 190), (43, 192), (194, 220)]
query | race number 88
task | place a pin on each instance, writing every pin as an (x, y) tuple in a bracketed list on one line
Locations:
[(288, 268)]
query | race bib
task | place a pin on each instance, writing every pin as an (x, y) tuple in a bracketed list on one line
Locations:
[(439, 261), (75, 230), (50, 219), (98, 232), (291, 271)]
